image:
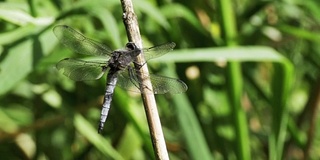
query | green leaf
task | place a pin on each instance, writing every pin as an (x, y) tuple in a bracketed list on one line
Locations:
[(175, 10), (102, 144), (110, 25), (224, 54), (19, 60), (152, 12), (21, 18)]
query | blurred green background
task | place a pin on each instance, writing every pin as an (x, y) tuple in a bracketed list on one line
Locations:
[(252, 68)]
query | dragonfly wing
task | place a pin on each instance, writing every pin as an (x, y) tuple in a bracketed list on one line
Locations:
[(160, 84), (79, 43), (157, 51), (127, 82), (79, 70)]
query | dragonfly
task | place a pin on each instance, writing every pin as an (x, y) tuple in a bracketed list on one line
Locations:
[(118, 63)]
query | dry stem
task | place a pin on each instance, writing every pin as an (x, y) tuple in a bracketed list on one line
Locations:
[(133, 33)]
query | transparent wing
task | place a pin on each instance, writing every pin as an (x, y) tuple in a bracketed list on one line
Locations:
[(157, 51), (79, 43), (79, 70), (129, 80)]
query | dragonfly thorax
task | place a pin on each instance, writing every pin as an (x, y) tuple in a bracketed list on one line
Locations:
[(121, 59)]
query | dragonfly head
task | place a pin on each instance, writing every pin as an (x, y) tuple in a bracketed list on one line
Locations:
[(130, 46)]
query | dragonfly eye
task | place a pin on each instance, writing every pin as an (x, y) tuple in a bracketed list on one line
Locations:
[(131, 46)]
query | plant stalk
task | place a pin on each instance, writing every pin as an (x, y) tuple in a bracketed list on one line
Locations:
[(155, 129)]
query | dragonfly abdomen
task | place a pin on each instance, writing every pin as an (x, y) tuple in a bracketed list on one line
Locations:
[(110, 85)]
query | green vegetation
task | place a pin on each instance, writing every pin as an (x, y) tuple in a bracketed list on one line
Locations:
[(252, 68)]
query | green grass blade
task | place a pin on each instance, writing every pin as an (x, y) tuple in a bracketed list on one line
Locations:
[(87, 130), (195, 142), (224, 54), (20, 60)]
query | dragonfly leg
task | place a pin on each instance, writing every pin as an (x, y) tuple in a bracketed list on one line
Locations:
[(134, 80), (139, 66)]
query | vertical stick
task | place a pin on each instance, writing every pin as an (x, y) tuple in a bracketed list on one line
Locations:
[(133, 33)]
